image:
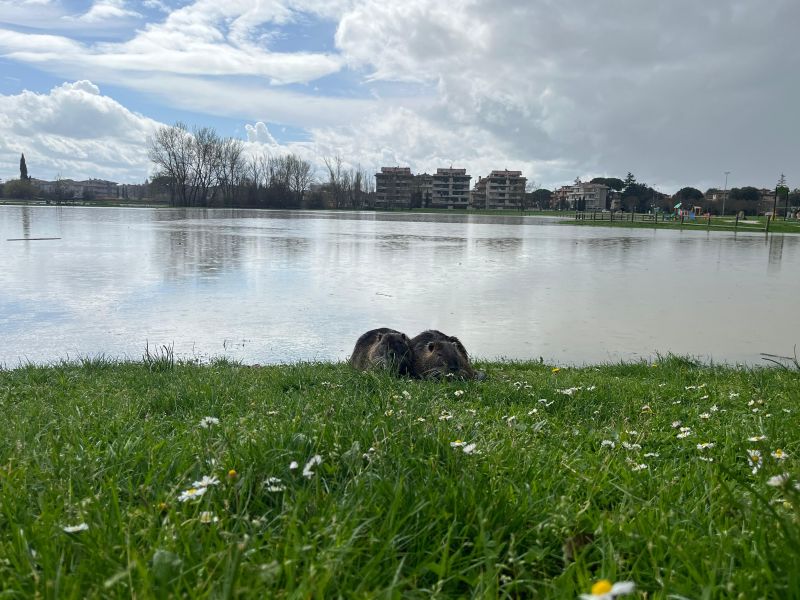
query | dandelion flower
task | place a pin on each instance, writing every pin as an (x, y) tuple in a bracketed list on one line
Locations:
[(779, 454), (205, 481), (76, 528), (605, 590), (705, 445), (607, 444), (757, 438), (208, 422), (314, 460), (232, 474), (755, 460), (192, 494), (208, 517), (778, 480)]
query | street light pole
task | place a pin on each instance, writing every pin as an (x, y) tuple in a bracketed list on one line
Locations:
[(725, 192)]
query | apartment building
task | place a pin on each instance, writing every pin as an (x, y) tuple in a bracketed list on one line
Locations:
[(393, 187), (422, 190), (499, 190), (450, 189), (587, 196)]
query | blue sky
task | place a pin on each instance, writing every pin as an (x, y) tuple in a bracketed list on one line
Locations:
[(676, 94)]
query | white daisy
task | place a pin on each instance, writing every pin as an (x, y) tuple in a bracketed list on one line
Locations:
[(605, 590), (778, 480), (779, 454), (755, 460), (208, 422), (208, 517), (705, 445), (607, 444), (76, 528), (274, 484), (192, 494), (205, 481), (314, 460)]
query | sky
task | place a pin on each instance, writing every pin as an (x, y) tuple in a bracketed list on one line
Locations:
[(675, 92)]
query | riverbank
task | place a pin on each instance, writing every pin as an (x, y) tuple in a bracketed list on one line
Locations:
[(750, 224), (123, 479)]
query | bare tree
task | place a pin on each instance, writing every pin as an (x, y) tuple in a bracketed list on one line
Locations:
[(171, 150), (230, 169), (300, 176)]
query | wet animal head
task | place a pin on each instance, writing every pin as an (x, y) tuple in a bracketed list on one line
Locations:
[(394, 350), (445, 359)]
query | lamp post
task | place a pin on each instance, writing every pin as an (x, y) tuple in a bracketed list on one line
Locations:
[(725, 192)]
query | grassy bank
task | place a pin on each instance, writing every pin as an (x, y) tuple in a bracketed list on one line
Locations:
[(751, 224), (402, 504)]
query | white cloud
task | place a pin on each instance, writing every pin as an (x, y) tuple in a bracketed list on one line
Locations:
[(675, 92), (206, 38), (105, 10), (73, 130)]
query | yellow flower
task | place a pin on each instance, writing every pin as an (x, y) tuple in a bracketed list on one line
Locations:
[(605, 590), (232, 474), (556, 369)]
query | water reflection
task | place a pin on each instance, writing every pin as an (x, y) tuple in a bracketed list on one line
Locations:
[(276, 286)]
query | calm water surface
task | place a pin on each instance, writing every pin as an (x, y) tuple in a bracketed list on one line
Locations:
[(269, 287)]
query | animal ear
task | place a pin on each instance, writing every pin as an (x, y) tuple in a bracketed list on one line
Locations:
[(431, 346)]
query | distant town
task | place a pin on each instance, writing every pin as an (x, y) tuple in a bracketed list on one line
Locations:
[(288, 182)]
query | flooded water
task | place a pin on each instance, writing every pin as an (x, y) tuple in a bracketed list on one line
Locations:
[(270, 287)]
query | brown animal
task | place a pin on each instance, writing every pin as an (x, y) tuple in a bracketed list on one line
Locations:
[(439, 355), (383, 348)]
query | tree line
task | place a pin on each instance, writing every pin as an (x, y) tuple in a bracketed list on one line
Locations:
[(200, 168)]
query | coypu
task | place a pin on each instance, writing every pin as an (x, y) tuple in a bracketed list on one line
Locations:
[(383, 348), (436, 354)]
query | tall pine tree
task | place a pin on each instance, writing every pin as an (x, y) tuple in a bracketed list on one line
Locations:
[(23, 169)]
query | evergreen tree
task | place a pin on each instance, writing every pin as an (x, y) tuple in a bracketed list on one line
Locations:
[(23, 169), (629, 180)]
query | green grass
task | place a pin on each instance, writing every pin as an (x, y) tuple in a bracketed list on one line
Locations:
[(717, 224), (393, 511)]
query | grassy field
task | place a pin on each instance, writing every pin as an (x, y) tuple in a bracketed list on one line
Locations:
[(200, 481), (750, 224)]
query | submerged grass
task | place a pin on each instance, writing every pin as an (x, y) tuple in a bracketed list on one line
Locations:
[(575, 474)]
